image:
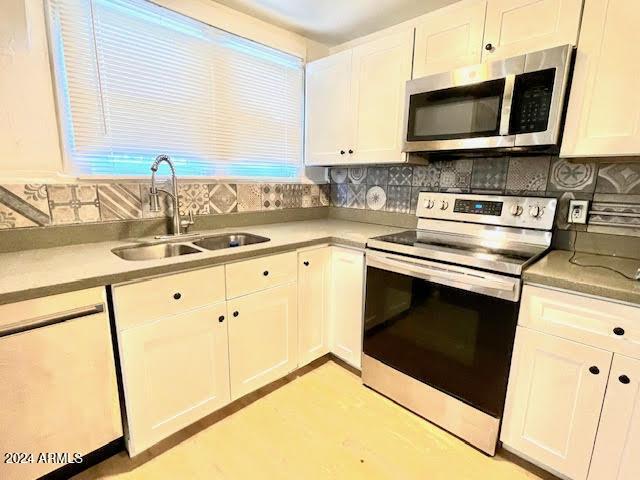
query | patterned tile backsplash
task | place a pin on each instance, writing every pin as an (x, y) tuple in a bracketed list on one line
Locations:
[(39, 205), (396, 188), (613, 187)]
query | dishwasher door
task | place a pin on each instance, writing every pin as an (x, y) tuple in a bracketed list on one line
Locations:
[(58, 390)]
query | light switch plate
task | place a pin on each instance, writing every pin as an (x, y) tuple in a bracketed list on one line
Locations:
[(578, 211)]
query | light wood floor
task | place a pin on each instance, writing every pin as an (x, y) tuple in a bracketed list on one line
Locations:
[(322, 425)]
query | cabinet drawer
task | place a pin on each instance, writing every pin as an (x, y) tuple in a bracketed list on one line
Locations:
[(605, 324), (260, 273), (140, 302)]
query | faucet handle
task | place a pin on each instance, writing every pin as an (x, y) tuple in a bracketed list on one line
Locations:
[(187, 223)]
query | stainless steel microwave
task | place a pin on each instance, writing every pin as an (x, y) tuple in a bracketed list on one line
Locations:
[(515, 103)]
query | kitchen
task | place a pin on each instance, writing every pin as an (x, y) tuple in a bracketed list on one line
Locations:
[(249, 239)]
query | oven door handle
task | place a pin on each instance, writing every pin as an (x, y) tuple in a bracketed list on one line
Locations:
[(456, 277)]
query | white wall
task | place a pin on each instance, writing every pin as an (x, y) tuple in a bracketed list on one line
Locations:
[(29, 142), (29, 146)]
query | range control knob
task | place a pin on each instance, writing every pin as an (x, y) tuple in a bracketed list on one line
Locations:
[(429, 204), (535, 211), (516, 210), (444, 205)]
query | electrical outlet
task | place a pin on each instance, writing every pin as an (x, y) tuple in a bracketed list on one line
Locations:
[(578, 211)]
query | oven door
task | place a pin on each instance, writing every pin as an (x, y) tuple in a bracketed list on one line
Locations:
[(449, 327), (467, 108)]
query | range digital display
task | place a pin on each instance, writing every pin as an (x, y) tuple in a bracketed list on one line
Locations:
[(478, 207)]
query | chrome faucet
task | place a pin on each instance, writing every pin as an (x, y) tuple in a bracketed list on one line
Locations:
[(177, 224)]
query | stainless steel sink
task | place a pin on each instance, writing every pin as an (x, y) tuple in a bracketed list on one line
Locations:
[(229, 240), (154, 252)]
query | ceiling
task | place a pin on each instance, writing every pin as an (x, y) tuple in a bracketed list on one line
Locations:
[(335, 21)]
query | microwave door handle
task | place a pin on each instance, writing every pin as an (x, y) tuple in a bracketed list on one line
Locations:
[(507, 100), (437, 275)]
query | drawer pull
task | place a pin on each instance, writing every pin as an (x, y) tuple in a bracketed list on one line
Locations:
[(221, 318), (306, 264), (177, 295), (624, 379), (235, 314), (618, 331), (595, 370), (265, 273)]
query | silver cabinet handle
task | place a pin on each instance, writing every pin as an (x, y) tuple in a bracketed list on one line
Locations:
[(47, 320)]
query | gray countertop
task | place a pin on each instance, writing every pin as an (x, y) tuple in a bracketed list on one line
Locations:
[(554, 270), (36, 273)]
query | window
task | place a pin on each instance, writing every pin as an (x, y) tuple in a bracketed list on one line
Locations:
[(135, 80)]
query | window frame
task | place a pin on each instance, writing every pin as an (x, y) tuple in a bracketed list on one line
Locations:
[(305, 175)]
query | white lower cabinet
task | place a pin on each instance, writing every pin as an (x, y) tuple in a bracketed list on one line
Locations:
[(573, 402), (615, 456), (556, 389), (175, 371), (346, 302), (191, 352), (263, 338), (314, 276)]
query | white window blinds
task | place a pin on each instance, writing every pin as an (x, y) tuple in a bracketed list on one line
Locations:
[(135, 80)]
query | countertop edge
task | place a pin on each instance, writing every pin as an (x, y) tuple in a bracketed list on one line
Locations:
[(104, 280), (581, 288), (607, 286)]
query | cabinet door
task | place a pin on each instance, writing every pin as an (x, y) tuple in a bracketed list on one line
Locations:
[(615, 456), (346, 300), (175, 371), (328, 110), (515, 27), (380, 71), (555, 394), (314, 268), (603, 118), (263, 338), (449, 38)]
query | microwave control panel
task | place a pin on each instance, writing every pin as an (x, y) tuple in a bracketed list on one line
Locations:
[(532, 95)]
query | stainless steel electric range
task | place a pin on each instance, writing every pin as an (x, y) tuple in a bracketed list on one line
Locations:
[(442, 304)]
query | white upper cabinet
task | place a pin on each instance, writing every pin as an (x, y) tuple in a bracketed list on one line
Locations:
[(380, 71), (355, 103), (603, 118), (328, 110), (615, 456), (556, 390), (514, 27), (449, 38)]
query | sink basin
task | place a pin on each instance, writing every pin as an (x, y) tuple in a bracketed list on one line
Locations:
[(154, 252), (229, 240)]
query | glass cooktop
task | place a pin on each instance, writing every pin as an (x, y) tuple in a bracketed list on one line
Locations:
[(461, 249)]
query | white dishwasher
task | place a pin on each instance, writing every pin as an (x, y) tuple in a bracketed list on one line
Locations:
[(58, 390)]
